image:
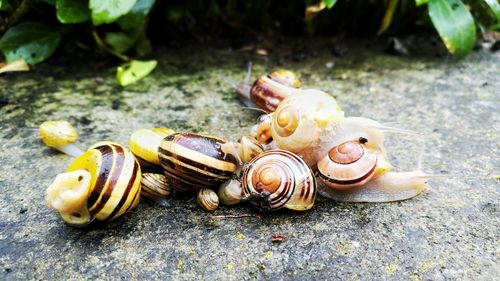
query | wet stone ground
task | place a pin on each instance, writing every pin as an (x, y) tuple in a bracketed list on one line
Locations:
[(449, 232)]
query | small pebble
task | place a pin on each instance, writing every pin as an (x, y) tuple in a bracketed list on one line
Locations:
[(496, 46), (277, 238), (4, 101), (23, 210), (115, 104), (396, 47)]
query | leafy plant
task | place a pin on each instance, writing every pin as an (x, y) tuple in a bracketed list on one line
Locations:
[(32, 30)]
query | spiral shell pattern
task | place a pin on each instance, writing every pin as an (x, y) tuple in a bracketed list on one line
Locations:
[(268, 91), (192, 161), (348, 165), (207, 199), (277, 179), (302, 118), (154, 185)]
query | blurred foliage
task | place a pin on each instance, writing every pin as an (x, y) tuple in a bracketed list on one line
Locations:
[(32, 30)]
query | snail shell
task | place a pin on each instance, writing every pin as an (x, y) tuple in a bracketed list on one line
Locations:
[(269, 90), (262, 131), (279, 179), (60, 135), (230, 192), (103, 183), (301, 121), (144, 144), (192, 161), (207, 199), (348, 165), (155, 185)]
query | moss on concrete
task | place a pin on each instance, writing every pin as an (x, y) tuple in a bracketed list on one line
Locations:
[(449, 232)]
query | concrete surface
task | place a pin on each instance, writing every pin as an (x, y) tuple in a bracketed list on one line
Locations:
[(450, 232)]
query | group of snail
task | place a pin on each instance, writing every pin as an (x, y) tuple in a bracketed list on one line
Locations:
[(304, 145)]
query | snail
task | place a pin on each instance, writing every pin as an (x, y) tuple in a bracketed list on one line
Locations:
[(155, 186), (279, 179), (144, 144), (354, 172), (103, 183), (262, 131), (268, 90), (245, 149), (61, 136), (302, 122), (192, 161), (230, 192), (207, 199)]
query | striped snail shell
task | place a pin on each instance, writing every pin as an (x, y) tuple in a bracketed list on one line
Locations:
[(348, 165), (207, 199), (192, 161), (61, 136), (144, 144), (102, 184), (155, 185), (269, 90), (279, 179), (302, 119)]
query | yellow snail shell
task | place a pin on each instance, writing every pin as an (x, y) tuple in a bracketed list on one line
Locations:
[(61, 136), (207, 199), (102, 183), (155, 185), (301, 121), (279, 179), (144, 144), (192, 161)]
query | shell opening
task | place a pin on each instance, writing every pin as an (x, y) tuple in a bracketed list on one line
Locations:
[(69, 191)]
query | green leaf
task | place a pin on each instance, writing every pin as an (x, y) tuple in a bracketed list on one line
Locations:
[(107, 11), (389, 12), (33, 42), (137, 16), (134, 71), (329, 3), (495, 8), (421, 2), (454, 24), (72, 11), (119, 41)]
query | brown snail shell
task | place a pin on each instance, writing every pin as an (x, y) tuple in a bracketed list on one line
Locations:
[(155, 185), (207, 199), (279, 179), (269, 90), (348, 165), (192, 161)]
